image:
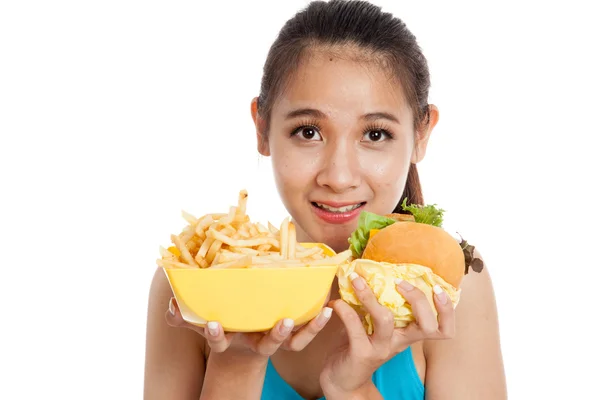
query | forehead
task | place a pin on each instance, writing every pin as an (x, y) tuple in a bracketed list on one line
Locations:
[(347, 80)]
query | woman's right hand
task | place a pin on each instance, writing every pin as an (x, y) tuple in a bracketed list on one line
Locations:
[(264, 344)]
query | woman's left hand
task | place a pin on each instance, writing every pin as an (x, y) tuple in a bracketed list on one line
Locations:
[(349, 370)]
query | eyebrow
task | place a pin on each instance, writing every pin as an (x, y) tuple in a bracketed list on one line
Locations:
[(305, 112), (312, 112), (380, 115)]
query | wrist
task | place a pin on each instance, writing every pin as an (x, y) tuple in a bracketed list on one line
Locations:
[(234, 375), (246, 358)]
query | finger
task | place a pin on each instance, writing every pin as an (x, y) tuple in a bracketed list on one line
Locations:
[(297, 328), (421, 307), (304, 336), (269, 344), (175, 319), (216, 338), (357, 336), (446, 321), (383, 319), (212, 332)]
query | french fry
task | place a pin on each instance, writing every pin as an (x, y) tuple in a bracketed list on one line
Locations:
[(203, 224), (173, 264), (253, 231), (167, 255), (283, 232), (335, 260), (224, 257), (213, 233), (185, 253), (291, 241), (232, 240), (189, 218), (228, 230), (229, 218), (187, 234), (244, 250), (263, 247), (273, 230), (239, 263), (261, 228), (242, 200), (309, 252), (205, 246), (243, 233), (212, 251), (203, 263)]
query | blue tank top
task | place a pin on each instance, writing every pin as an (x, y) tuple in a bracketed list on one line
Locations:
[(397, 379)]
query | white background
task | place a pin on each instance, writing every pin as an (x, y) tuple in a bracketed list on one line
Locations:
[(116, 115)]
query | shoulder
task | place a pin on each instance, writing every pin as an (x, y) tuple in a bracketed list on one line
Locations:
[(477, 304), (477, 293), (470, 363)]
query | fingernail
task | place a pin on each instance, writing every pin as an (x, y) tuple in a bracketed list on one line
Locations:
[(324, 316), (287, 326), (403, 284), (172, 306), (213, 328), (357, 281), (440, 294)]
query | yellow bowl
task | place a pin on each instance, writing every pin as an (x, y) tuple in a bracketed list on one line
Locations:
[(252, 299)]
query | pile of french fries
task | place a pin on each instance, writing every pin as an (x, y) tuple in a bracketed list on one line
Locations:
[(233, 241)]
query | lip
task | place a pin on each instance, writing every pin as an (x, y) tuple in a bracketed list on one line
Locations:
[(338, 204), (337, 218)]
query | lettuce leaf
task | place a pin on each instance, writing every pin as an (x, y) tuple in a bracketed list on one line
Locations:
[(430, 214), (366, 221)]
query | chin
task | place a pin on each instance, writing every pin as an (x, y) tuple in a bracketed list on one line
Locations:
[(333, 235), (337, 242)]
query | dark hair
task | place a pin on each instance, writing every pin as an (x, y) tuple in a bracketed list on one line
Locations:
[(358, 23)]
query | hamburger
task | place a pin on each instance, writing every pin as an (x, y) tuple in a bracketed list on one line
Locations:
[(411, 246)]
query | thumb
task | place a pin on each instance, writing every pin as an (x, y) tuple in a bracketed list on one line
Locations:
[(173, 315), (175, 319)]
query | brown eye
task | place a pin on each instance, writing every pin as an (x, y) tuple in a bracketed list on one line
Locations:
[(309, 133), (376, 135)]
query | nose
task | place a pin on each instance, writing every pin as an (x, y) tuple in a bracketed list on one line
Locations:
[(340, 171)]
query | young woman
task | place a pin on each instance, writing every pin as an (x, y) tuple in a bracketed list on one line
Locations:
[(343, 113)]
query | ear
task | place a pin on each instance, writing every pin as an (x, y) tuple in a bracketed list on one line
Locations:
[(424, 134), (261, 136)]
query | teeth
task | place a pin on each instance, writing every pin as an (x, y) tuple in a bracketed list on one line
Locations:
[(339, 209)]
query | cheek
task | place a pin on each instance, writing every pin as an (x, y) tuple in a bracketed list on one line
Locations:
[(384, 168), (293, 170), (386, 174)]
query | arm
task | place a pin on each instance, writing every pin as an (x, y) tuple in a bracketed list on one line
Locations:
[(175, 367), (234, 376), (470, 365), (174, 356)]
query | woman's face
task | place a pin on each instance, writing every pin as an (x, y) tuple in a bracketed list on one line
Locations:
[(341, 140)]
